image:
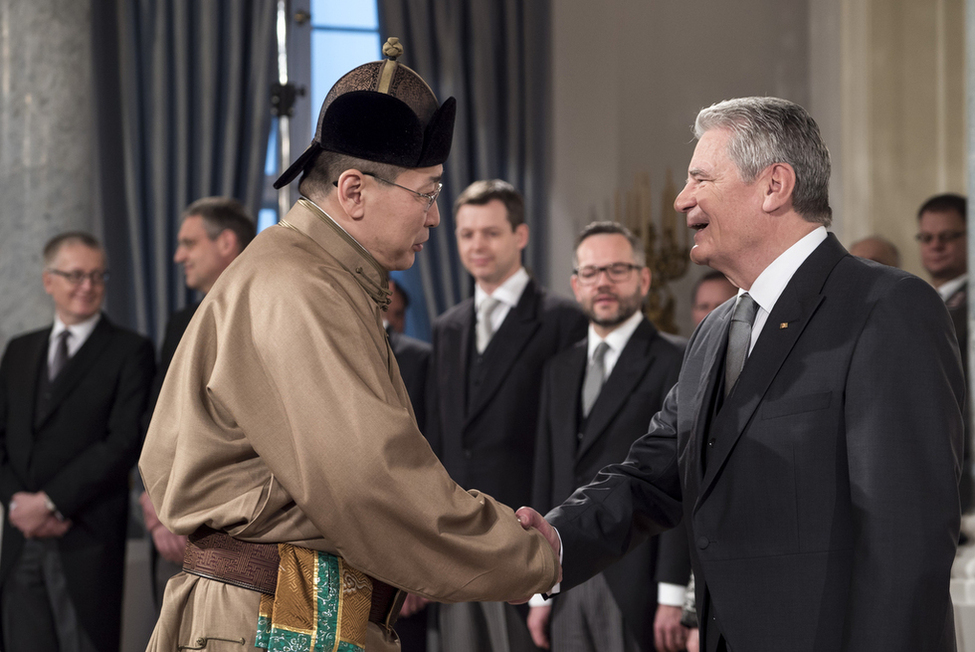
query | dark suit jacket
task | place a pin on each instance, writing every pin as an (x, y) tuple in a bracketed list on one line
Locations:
[(175, 328), (413, 357), (958, 310), (79, 451), (487, 441), (827, 516), (645, 371)]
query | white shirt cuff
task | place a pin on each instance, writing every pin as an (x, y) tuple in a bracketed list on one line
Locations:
[(539, 600), (671, 595), (555, 589)]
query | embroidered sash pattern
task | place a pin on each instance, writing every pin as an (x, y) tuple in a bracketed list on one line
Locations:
[(321, 605)]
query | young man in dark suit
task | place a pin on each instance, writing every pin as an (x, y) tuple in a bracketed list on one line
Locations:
[(814, 437), (212, 234), (598, 398), (71, 397), (486, 370)]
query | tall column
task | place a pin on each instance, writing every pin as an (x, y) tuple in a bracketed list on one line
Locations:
[(46, 146)]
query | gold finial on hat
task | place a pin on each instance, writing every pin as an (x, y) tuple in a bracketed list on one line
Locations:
[(392, 48)]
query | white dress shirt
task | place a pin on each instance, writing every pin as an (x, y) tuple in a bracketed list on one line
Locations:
[(508, 294), (769, 285), (79, 334), (952, 286)]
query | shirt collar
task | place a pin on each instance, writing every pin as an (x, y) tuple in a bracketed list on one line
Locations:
[(952, 286), (772, 281), (508, 293), (618, 338), (79, 331)]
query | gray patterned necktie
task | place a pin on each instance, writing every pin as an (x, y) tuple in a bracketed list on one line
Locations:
[(739, 339), (595, 375), (60, 355), (484, 328)]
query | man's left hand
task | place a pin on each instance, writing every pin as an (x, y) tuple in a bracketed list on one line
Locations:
[(668, 634), (29, 511)]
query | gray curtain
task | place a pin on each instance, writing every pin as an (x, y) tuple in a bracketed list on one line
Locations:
[(494, 57), (183, 109)]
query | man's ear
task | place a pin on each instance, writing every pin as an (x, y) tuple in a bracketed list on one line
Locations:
[(521, 235), (48, 279), (227, 243), (349, 193), (778, 182)]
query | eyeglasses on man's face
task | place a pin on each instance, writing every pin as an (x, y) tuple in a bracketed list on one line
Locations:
[(617, 272), (943, 238), (429, 198), (78, 277)]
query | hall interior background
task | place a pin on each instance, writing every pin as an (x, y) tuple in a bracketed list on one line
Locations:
[(885, 79)]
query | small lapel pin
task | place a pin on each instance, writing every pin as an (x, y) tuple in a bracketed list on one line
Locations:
[(783, 325)]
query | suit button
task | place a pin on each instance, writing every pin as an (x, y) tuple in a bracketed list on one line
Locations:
[(467, 454), (702, 542), (711, 443)]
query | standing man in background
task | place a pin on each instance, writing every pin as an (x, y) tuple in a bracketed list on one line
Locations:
[(486, 371), (71, 399), (943, 237), (711, 291), (213, 232), (598, 398)]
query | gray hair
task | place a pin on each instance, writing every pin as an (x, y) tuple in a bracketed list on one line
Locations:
[(769, 130)]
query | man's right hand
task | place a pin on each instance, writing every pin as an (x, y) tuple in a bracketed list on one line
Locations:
[(538, 625), (170, 546), (529, 518)]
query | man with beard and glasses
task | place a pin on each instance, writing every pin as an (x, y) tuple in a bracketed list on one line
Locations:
[(597, 398)]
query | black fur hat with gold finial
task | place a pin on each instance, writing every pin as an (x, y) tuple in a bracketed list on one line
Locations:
[(381, 111)]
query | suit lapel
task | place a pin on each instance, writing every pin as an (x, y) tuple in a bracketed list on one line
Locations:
[(633, 363), (792, 313), (713, 351), (569, 376), (36, 358), (77, 367), (505, 347)]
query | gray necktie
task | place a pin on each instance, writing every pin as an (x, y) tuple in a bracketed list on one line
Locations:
[(595, 375), (60, 355), (739, 339), (484, 328)]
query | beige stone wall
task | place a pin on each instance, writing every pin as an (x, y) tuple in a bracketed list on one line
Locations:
[(903, 102)]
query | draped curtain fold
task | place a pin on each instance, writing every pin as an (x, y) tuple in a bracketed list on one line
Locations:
[(184, 112), (494, 57)]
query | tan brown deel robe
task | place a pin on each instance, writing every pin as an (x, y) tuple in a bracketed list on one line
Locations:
[(283, 418)]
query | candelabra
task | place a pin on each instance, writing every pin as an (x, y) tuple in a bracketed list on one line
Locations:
[(665, 242)]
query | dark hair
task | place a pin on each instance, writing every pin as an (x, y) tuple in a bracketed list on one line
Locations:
[(713, 275), (220, 214), (485, 191), (318, 179), (945, 203), (769, 130), (54, 245), (400, 290), (610, 228)]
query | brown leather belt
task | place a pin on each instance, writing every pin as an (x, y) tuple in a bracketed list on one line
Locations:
[(254, 566)]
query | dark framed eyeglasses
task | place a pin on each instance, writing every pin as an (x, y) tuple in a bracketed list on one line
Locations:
[(943, 238), (617, 272), (78, 277), (430, 198)]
